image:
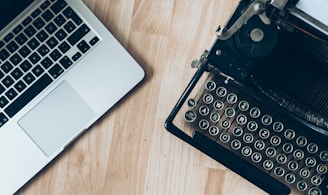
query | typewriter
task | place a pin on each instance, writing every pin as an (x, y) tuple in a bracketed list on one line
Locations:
[(258, 101)]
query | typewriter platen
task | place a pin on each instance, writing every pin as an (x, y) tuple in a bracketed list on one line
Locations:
[(258, 102)]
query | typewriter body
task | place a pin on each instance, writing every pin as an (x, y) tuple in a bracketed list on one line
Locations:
[(258, 102)]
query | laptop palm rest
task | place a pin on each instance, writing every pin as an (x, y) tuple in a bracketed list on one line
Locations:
[(56, 119)]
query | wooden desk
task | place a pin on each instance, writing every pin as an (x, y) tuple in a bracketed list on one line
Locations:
[(129, 152)]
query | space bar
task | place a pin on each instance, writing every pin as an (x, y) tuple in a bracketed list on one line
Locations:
[(28, 95)]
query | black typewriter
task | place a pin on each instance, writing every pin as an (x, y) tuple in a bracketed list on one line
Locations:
[(258, 102)]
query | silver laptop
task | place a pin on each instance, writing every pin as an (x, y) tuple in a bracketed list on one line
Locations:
[(60, 70)]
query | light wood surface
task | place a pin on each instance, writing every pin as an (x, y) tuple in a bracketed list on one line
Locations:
[(129, 151)]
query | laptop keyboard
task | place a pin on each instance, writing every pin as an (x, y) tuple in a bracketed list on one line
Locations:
[(38, 51)]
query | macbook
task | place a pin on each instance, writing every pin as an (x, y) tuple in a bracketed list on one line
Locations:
[(60, 70)]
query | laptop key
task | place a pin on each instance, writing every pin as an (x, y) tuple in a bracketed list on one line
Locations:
[(3, 119), (60, 20), (38, 23), (17, 73), (83, 46), (36, 13), (30, 31), (20, 86), (65, 62), (61, 34), (45, 5), (11, 94), (29, 78), (78, 34), (24, 51), (12, 46), (58, 6), (27, 21), (18, 29), (4, 54), (47, 16), (25, 66), (15, 59), (7, 67), (56, 71), (8, 37), (69, 13), (28, 95), (3, 101), (21, 39), (42, 36), (8, 81)]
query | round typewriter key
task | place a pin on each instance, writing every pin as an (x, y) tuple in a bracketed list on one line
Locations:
[(255, 112), (192, 103), (221, 91), (292, 165), (210, 85), (237, 131), (298, 154), (208, 98), (289, 134), (310, 162), (264, 133), (243, 105), (259, 145), (301, 141), (235, 144), (241, 119), (230, 112), (312, 148), (190, 116), (314, 191), (204, 124), (278, 126), (215, 117), (256, 157), (302, 186), (316, 180), (248, 138), (218, 105), (232, 98), (281, 159), (266, 120), (225, 124), (252, 126), (268, 165), (224, 137), (246, 151), (322, 169), (290, 178), (270, 152), (324, 155), (213, 131), (275, 140), (288, 148), (304, 173), (279, 171), (204, 110)]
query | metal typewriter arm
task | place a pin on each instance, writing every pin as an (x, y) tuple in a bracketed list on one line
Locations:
[(257, 7)]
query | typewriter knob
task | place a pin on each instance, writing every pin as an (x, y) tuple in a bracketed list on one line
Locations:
[(256, 39)]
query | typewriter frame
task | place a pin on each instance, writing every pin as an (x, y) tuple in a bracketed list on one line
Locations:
[(220, 153)]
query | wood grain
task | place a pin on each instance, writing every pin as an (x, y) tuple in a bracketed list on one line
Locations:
[(129, 151)]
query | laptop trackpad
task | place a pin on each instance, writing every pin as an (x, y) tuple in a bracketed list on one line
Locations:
[(57, 118)]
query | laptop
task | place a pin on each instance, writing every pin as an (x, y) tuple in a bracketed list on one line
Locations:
[(60, 71)]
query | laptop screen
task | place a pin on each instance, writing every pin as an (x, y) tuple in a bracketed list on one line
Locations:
[(9, 9)]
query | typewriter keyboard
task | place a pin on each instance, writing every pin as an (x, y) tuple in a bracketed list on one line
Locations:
[(230, 117)]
